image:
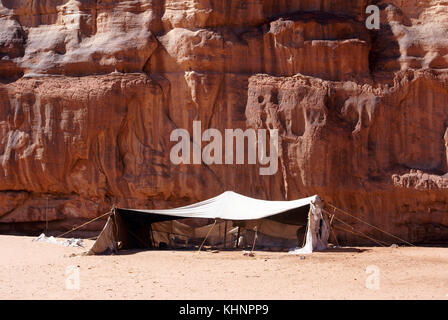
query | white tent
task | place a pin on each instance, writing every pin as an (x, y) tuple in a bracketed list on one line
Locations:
[(228, 206)]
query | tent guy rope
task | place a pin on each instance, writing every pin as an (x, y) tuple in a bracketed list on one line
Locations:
[(370, 225), (381, 243), (82, 225)]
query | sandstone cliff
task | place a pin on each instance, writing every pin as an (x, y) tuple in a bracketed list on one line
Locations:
[(90, 91)]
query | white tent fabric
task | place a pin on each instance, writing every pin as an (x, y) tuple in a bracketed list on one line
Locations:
[(233, 206), (318, 231)]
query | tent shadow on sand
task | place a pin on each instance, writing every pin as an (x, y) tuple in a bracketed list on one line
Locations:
[(195, 250), (346, 249)]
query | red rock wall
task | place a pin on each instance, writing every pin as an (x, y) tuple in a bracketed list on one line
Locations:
[(90, 92)]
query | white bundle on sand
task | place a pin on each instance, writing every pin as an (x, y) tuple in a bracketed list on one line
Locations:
[(72, 242)]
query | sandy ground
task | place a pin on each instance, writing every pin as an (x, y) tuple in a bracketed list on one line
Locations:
[(33, 270)]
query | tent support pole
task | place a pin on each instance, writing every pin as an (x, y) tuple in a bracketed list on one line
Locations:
[(238, 238), (152, 236), (330, 225), (205, 239), (46, 218), (255, 239), (225, 234), (334, 235)]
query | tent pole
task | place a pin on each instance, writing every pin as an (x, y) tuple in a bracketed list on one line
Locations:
[(238, 238), (151, 233), (330, 224), (225, 234), (46, 218), (255, 239), (332, 230), (214, 223)]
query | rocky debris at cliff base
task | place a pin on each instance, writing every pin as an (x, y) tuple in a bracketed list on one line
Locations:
[(72, 242)]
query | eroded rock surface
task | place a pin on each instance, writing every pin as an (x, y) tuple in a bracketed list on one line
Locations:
[(91, 91)]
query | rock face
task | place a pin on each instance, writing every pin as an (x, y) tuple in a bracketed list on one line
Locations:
[(91, 90)]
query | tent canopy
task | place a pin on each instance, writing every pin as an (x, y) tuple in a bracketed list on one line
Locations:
[(133, 227), (230, 206)]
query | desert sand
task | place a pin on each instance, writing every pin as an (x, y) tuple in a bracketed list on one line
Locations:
[(34, 270)]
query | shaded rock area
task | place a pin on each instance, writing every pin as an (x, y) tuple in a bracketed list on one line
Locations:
[(91, 90)]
